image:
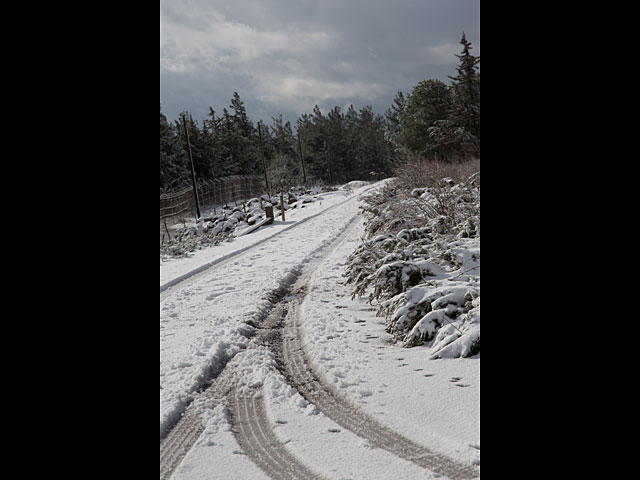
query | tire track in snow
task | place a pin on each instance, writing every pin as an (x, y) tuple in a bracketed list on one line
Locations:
[(178, 442), (281, 333), (257, 439), (250, 423), (175, 444), (300, 373), (179, 439)]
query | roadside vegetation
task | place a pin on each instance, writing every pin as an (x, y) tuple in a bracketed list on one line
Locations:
[(419, 262)]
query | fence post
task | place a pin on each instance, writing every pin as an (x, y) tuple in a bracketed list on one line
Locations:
[(302, 160), (268, 210), (193, 173), (264, 165)]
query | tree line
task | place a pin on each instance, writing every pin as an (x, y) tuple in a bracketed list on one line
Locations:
[(433, 121)]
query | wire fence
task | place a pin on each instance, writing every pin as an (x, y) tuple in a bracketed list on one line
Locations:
[(181, 203)]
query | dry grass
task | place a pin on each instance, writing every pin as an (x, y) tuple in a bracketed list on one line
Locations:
[(394, 207), (419, 172)]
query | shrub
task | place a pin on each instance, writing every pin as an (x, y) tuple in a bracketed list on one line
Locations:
[(420, 259)]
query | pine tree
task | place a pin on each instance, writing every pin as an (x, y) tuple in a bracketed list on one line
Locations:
[(172, 162), (245, 141), (352, 142), (282, 137), (429, 102), (465, 86), (243, 124), (316, 139), (394, 117), (200, 151), (375, 151)]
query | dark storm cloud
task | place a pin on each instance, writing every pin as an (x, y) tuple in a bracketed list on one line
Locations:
[(285, 56)]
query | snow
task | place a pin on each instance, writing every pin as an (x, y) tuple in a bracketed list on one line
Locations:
[(207, 299), (400, 387), (217, 451), (173, 270)]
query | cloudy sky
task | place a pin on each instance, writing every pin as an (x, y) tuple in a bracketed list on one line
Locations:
[(285, 56)]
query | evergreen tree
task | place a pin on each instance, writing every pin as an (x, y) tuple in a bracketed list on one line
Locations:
[(337, 153), (394, 117), (304, 132), (429, 102), (376, 153), (352, 142), (465, 114), (212, 130), (316, 140), (282, 138), (242, 122), (245, 144), (199, 146), (437, 121), (172, 165), (337, 147)]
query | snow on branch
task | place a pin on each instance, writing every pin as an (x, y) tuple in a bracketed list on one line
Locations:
[(421, 264)]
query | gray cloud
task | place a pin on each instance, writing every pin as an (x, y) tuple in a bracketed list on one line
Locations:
[(285, 56)]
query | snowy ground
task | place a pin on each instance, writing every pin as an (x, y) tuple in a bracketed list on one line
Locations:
[(205, 302)]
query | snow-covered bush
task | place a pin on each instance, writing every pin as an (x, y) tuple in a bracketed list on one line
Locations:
[(421, 264), (390, 264), (452, 342), (425, 313)]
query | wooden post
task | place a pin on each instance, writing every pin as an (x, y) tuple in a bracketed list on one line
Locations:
[(193, 173), (268, 210), (264, 164), (302, 160), (282, 206)]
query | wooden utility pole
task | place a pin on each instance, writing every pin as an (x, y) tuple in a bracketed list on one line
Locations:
[(264, 164), (193, 172), (302, 160)]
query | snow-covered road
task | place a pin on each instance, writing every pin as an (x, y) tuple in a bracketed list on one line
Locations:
[(218, 311)]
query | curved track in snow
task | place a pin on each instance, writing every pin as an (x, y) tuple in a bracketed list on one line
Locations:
[(302, 375), (181, 436), (256, 437), (282, 334), (279, 329), (178, 441)]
